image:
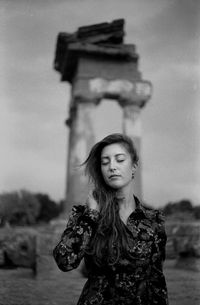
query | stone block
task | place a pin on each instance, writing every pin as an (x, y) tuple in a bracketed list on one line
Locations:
[(183, 239), (18, 247)]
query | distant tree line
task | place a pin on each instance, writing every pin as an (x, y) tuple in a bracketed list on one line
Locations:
[(182, 210), (26, 208)]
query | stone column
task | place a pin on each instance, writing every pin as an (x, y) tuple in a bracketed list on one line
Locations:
[(132, 128), (81, 139), (98, 64)]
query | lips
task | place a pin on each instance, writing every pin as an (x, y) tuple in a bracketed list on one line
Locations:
[(114, 176)]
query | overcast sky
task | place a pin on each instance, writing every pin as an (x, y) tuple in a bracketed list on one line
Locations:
[(34, 103)]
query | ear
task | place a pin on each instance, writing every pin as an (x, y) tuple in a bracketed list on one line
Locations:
[(134, 167)]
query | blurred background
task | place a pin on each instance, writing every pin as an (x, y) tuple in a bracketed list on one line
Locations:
[(34, 105)]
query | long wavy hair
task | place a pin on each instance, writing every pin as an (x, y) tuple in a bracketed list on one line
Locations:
[(110, 238)]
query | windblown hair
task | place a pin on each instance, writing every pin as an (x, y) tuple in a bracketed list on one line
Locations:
[(110, 238)]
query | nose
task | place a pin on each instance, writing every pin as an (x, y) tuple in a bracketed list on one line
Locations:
[(112, 166)]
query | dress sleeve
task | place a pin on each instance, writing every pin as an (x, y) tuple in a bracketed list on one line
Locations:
[(157, 283), (71, 248)]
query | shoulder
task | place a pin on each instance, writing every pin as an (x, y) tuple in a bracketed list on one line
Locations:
[(155, 215), (157, 220), (152, 214)]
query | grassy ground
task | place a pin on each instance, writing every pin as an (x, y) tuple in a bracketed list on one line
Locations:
[(53, 287)]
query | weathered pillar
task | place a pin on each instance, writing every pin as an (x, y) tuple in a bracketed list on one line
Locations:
[(98, 65), (135, 101), (132, 128), (81, 138)]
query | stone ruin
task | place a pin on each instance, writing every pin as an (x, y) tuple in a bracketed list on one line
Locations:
[(96, 62), (98, 65)]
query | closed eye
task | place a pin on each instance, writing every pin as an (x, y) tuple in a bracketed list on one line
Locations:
[(104, 163), (107, 162)]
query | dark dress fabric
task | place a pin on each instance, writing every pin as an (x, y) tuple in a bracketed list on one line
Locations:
[(134, 280)]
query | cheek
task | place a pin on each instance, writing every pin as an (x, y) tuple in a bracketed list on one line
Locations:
[(103, 171), (128, 170)]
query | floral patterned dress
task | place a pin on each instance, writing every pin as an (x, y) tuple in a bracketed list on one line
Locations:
[(138, 280)]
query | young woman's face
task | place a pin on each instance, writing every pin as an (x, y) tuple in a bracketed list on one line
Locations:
[(116, 166)]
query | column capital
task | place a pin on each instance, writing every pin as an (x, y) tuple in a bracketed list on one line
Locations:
[(126, 92)]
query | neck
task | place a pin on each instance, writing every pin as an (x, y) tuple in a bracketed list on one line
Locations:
[(125, 198)]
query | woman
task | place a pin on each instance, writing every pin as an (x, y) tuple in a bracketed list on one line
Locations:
[(121, 241)]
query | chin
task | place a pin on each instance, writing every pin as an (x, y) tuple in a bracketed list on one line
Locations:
[(115, 186)]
